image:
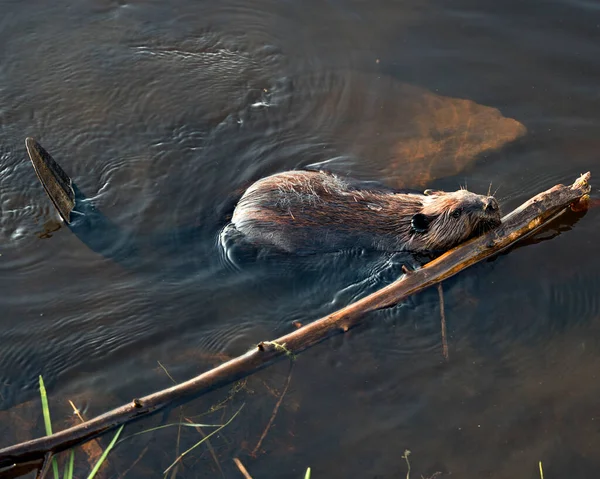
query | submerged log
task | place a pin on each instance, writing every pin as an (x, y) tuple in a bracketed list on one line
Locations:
[(522, 222)]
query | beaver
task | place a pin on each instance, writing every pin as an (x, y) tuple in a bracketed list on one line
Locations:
[(302, 212), (308, 212)]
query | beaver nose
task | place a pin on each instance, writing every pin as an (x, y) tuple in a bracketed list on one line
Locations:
[(490, 204)]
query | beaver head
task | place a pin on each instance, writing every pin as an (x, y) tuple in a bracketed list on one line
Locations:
[(446, 219)]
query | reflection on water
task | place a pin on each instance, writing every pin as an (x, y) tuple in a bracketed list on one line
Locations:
[(164, 112)]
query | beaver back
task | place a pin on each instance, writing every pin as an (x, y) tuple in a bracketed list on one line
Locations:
[(307, 211)]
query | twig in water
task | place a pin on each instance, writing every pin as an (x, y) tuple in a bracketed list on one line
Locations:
[(167, 372), (93, 449), (48, 459), (76, 411), (208, 446), (268, 388), (443, 319), (183, 454), (275, 409), (237, 387), (242, 469), (134, 463), (197, 427), (178, 442)]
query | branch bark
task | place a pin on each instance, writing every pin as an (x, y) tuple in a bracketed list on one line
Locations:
[(520, 223)]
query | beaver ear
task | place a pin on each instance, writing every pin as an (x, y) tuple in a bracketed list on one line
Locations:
[(419, 223)]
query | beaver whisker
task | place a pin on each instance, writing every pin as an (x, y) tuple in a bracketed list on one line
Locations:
[(496, 190)]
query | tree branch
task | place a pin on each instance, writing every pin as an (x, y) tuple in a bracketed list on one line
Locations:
[(520, 223)]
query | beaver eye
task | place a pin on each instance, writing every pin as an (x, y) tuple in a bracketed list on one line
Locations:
[(456, 213)]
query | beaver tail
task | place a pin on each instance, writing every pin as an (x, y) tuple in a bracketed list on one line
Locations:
[(79, 213), (100, 234), (56, 182)]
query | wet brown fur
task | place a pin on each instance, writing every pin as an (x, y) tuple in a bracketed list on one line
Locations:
[(306, 211)]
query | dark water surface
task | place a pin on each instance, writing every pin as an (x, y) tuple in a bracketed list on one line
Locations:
[(163, 112)]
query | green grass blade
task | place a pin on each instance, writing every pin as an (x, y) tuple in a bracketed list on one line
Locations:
[(69, 466), (55, 468), (307, 475), (47, 421), (105, 453), (541, 471), (200, 442), (180, 424), (45, 408)]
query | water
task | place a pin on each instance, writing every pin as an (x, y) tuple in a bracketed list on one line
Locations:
[(165, 112)]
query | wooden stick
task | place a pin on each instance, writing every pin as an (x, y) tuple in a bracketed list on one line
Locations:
[(275, 409), (242, 469), (209, 446), (45, 466), (443, 321), (134, 463), (522, 222)]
